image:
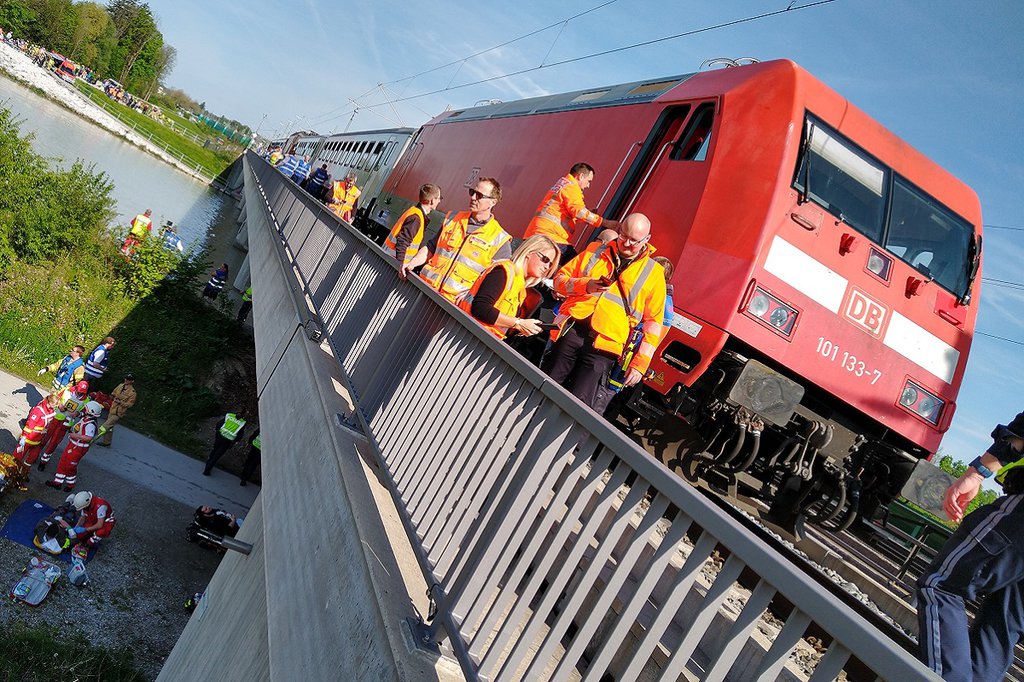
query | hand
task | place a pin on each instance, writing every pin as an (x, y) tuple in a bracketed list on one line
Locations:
[(633, 377), (528, 327), (41, 372), (596, 286), (78, 530), (960, 494), (403, 272)]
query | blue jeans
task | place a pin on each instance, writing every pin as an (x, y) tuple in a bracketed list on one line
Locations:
[(984, 559)]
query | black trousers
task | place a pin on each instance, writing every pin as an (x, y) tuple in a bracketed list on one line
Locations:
[(574, 363), (243, 311), (252, 460), (220, 446)]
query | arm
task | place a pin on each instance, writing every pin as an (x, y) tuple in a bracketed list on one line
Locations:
[(568, 282), (653, 316), (483, 307), (574, 205), (410, 226), (101, 517), (419, 259), (966, 488)]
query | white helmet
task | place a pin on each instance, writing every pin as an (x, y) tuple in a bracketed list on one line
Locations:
[(82, 500), (93, 408)]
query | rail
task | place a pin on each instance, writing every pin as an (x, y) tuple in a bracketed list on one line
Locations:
[(555, 546)]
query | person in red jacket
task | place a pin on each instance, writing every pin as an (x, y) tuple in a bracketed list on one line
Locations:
[(70, 401), (36, 430), (82, 435), (95, 522)]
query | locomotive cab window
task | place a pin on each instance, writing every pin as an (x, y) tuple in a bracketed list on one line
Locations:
[(844, 180), (929, 237), (695, 139)]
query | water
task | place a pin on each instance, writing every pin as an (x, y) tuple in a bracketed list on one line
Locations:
[(203, 216)]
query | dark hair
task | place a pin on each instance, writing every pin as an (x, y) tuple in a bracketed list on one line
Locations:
[(580, 167)]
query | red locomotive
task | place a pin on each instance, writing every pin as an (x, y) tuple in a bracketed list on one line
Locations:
[(826, 274)]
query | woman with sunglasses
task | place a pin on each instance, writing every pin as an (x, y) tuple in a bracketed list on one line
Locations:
[(497, 296)]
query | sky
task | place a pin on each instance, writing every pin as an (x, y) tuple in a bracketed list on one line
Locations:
[(947, 77)]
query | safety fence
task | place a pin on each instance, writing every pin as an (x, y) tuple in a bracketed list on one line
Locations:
[(556, 548)]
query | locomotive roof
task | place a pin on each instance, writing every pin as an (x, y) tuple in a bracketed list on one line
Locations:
[(625, 93)]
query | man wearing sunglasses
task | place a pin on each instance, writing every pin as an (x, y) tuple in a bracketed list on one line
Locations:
[(609, 289), (466, 245)]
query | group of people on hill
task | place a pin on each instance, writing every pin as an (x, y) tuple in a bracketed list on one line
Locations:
[(73, 411)]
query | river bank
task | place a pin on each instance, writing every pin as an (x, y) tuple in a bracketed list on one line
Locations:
[(19, 67)]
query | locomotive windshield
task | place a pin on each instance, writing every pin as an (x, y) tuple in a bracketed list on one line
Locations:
[(857, 188)]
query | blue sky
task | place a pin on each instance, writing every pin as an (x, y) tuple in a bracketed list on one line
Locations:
[(945, 76)]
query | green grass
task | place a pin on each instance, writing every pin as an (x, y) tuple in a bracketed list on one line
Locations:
[(42, 654), (190, 359), (212, 162)]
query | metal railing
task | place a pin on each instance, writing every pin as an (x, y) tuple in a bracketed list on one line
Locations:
[(555, 547), (187, 163)]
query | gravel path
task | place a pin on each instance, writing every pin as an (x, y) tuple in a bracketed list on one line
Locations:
[(143, 573)]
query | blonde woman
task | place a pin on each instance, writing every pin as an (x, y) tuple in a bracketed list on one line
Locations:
[(498, 294)]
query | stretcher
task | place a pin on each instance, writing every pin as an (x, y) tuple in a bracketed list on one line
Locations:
[(36, 581)]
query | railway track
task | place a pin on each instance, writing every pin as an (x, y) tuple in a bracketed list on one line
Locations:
[(866, 568)]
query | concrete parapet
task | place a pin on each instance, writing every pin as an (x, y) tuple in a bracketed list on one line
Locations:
[(336, 576), (226, 638)]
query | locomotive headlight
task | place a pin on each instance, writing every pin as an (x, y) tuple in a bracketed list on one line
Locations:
[(759, 304), (772, 312), (922, 403)]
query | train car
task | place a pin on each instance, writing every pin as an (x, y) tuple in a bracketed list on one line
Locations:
[(370, 154), (827, 274)]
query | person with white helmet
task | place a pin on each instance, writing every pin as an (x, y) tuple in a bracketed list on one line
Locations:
[(71, 401), (95, 521), (82, 435)]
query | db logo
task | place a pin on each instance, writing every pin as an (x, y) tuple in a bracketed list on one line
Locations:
[(866, 312)]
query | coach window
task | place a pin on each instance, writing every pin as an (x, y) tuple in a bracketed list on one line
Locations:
[(695, 139), (929, 237), (842, 178)]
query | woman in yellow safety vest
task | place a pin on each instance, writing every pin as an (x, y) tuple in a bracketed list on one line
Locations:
[(496, 298)]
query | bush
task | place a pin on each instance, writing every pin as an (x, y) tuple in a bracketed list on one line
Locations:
[(46, 212)]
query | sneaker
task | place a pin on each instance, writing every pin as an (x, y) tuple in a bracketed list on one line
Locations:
[(103, 430), (106, 445), (51, 484), (41, 466), (242, 483), (67, 488)]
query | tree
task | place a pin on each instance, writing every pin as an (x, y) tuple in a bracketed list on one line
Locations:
[(54, 26), (164, 63), (18, 17), (94, 35)]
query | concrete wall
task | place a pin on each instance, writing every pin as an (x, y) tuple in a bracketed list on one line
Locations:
[(325, 594), (226, 638)]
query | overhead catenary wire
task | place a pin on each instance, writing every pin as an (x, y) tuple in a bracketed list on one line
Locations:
[(462, 60), (592, 55)]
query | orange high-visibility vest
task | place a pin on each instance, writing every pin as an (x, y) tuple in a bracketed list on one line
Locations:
[(462, 254), (392, 241), (343, 199), (611, 315), (510, 301), (561, 211)]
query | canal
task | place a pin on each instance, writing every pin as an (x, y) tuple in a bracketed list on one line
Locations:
[(204, 217)]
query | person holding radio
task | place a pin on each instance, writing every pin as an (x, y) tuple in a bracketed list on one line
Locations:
[(609, 289)]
